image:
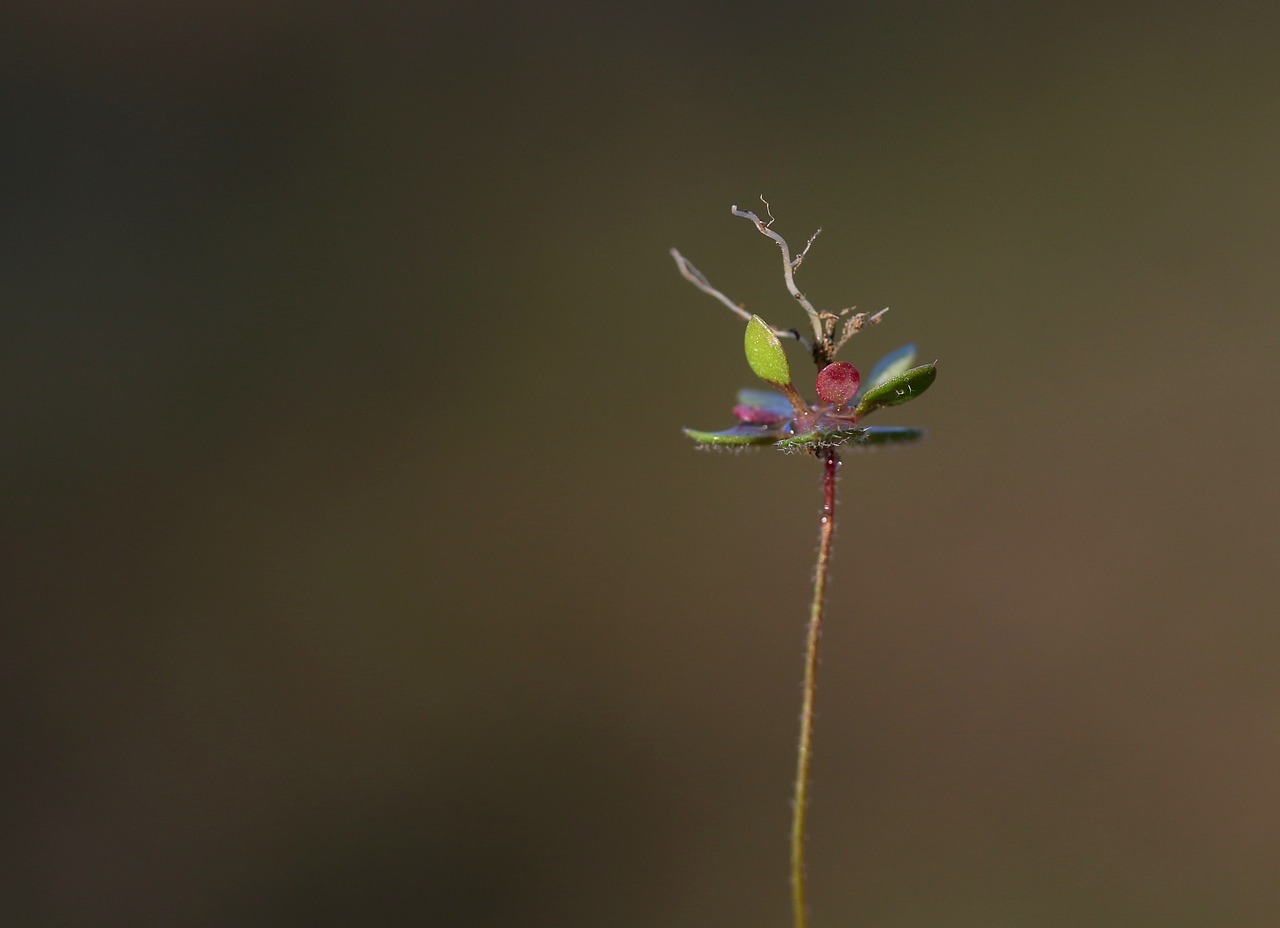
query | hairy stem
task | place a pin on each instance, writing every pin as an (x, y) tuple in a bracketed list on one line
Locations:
[(804, 753)]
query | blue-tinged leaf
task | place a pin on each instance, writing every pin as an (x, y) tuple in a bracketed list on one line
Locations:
[(891, 365), (897, 390), (767, 401), (744, 433), (890, 435)]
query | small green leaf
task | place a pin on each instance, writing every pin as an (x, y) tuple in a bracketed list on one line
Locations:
[(897, 390), (821, 439), (741, 434), (765, 354), (891, 365), (860, 437)]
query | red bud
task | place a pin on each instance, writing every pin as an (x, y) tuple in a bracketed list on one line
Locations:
[(838, 383)]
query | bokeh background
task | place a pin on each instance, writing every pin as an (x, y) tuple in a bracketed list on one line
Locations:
[(355, 570)]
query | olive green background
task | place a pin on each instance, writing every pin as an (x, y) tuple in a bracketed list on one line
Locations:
[(355, 570)]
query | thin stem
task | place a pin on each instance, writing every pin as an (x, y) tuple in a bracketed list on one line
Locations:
[(699, 280), (804, 754), (788, 270)]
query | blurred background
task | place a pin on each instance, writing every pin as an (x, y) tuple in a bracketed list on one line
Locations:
[(355, 570)]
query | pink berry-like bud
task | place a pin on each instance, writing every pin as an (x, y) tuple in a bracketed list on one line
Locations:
[(838, 383)]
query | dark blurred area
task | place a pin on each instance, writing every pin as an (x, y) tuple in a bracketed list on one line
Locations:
[(355, 570)]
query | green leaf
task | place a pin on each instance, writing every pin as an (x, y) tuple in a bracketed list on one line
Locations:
[(765, 354), (859, 437), (891, 365), (898, 390), (740, 435), (821, 439)]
